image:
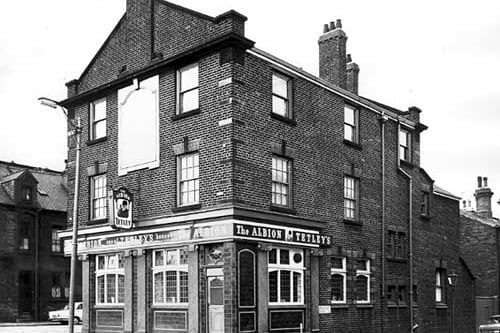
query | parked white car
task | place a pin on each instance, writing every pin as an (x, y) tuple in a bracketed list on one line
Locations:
[(63, 315), (493, 325)]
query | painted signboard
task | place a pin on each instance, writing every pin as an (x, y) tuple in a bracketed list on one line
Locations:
[(122, 209)]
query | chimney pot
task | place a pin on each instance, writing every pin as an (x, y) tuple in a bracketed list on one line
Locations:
[(479, 182), (485, 181), (332, 25), (325, 28), (339, 24)]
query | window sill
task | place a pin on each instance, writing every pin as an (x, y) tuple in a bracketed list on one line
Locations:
[(185, 114), (352, 144), (407, 164), (282, 209), (393, 259), (95, 141), (353, 222), (364, 305), (441, 306), (185, 208), (119, 306), (97, 221), (287, 120), (170, 306), (286, 306)]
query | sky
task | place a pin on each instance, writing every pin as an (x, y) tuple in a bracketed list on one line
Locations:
[(440, 55)]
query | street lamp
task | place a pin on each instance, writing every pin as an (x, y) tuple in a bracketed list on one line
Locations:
[(76, 129), (452, 279)]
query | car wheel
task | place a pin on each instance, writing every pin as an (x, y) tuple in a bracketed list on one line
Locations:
[(76, 320)]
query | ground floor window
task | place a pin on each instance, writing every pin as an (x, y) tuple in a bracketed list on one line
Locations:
[(170, 276), (363, 273), (286, 276), (110, 279)]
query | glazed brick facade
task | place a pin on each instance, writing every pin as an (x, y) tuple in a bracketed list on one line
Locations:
[(237, 136)]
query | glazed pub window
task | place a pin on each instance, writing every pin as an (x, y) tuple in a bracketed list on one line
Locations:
[(404, 145), (187, 89), (97, 121), (281, 170), (338, 280), (351, 124), (362, 281), (425, 204), (440, 285), (110, 279), (98, 197), (281, 95), (189, 183), (286, 276), (170, 277), (351, 195), (56, 288), (55, 240), (246, 269)]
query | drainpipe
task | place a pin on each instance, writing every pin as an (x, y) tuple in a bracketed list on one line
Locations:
[(410, 231), (383, 120)]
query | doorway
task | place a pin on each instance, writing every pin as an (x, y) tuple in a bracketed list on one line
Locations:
[(215, 297), (26, 290)]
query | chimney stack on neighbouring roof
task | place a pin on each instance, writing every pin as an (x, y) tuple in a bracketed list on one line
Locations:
[(332, 55), (352, 75), (483, 196)]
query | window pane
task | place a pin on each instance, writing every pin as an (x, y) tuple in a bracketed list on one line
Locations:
[(172, 257), (362, 288), (171, 286), (99, 110), (158, 287), (280, 106), (297, 287), (100, 262), (183, 256), (349, 132), (159, 261), (121, 288), (272, 256), (337, 287), (246, 279), (184, 293), (349, 116), (273, 286), (216, 291), (285, 286), (284, 257), (189, 77), (403, 138), (100, 289), (100, 129), (280, 86), (111, 286), (189, 100)]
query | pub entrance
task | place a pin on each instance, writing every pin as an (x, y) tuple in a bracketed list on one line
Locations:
[(215, 297)]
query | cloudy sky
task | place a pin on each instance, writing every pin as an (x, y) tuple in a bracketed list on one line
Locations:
[(442, 56)]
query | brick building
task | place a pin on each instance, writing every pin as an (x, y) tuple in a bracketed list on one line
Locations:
[(226, 190), (479, 245), (34, 274)]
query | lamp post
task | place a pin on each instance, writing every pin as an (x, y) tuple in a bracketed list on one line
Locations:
[(76, 130), (452, 279)]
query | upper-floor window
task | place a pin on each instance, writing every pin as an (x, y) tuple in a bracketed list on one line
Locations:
[(440, 285), (404, 145), (286, 276), (188, 179), (170, 276), (351, 124), (110, 279), (396, 244), (281, 95), (98, 197), (55, 241), (97, 119), (363, 273), (351, 205), (281, 181), (425, 204), (188, 88), (339, 279), (27, 193)]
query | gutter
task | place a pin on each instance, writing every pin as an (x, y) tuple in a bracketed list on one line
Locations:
[(410, 232)]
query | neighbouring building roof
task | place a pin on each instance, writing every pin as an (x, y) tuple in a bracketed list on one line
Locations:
[(441, 191), (51, 187), (491, 221)]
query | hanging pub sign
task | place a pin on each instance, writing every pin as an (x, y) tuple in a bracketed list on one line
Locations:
[(122, 209)]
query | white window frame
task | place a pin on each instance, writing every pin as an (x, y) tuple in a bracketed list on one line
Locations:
[(354, 198), (195, 179), (353, 126), (276, 182), (343, 272), (117, 271), (93, 121), (367, 273), (404, 147), (93, 198), (166, 267), (292, 268), (286, 99), (55, 242), (181, 92)]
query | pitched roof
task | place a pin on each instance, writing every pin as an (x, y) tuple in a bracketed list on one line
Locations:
[(491, 221), (52, 193), (440, 191)]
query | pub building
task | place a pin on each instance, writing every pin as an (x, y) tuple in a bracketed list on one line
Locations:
[(223, 189)]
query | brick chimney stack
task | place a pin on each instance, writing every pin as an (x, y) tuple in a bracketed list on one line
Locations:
[(483, 196), (332, 54), (352, 75)]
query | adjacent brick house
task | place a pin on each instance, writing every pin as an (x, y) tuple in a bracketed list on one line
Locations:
[(262, 198), (34, 274), (479, 245)]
